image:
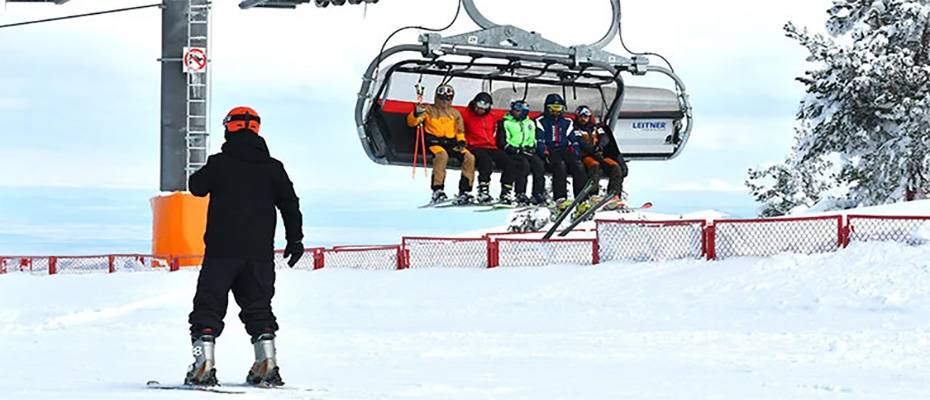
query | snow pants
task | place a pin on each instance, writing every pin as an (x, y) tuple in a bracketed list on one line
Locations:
[(252, 285), (615, 170), (486, 159), (526, 164), (564, 162), (441, 156)]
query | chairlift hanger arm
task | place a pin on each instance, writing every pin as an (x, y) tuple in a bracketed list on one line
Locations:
[(475, 14)]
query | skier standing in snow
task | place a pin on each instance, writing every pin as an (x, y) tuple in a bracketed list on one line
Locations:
[(516, 134), (445, 136), (593, 138), (558, 145), (245, 186), (479, 133)]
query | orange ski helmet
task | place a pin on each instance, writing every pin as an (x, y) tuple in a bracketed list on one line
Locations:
[(240, 118)]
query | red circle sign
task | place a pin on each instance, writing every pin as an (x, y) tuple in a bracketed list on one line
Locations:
[(195, 60)]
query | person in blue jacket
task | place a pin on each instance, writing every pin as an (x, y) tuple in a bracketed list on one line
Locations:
[(558, 145)]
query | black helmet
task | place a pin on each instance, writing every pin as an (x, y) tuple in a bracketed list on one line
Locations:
[(482, 101)]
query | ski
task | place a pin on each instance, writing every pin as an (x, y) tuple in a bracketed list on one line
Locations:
[(454, 205), (437, 204), (211, 389), (596, 208), (497, 207), (582, 196)]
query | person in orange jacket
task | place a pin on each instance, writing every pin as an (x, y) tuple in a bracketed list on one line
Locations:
[(445, 137)]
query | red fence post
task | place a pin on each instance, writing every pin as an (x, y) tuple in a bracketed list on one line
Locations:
[(2, 265), (493, 254), (319, 259), (710, 242), (840, 232), (111, 263), (844, 232), (52, 265), (175, 264), (596, 257)]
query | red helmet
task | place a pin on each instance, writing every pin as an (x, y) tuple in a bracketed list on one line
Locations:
[(240, 118)]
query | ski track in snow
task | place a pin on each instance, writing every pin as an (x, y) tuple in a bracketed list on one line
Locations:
[(847, 325)]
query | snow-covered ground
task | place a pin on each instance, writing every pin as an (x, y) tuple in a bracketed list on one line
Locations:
[(847, 325)]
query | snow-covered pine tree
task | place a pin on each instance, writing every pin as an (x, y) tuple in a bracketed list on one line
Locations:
[(863, 129)]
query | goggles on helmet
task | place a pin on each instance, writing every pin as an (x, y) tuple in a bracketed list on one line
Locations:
[(520, 106), (583, 111), (555, 108), (482, 105), (445, 91)]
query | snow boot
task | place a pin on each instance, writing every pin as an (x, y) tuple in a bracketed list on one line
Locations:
[(202, 372), (439, 196), (484, 193), (522, 200), (264, 371)]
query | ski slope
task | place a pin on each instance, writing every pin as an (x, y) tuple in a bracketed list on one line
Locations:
[(847, 325)]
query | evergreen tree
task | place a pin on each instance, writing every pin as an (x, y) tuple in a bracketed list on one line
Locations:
[(863, 129)]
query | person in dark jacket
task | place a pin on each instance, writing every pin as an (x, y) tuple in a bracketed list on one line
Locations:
[(593, 138), (558, 145), (245, 186), (480, 125)]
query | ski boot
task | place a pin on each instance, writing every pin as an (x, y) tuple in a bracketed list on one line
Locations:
[(584, 207), (539, 199), (484, 194), (506, 195), (202, 371), (439, 196), (522, 200), (464, 198), (264, 371)]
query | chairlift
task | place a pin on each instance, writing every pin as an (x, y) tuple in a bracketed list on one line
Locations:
[(513, 64)]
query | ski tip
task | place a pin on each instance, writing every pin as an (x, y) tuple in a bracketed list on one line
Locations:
[(647, 205), (152, 383)]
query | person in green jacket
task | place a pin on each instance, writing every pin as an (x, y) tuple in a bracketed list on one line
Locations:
[(516, 135)]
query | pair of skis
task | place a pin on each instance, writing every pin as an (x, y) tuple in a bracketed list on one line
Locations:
[(236, 388), (585, 194)]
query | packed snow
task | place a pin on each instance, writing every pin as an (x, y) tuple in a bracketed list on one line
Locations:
[(851, 324)]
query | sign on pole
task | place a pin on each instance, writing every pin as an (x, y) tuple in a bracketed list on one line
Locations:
[(195, 60)]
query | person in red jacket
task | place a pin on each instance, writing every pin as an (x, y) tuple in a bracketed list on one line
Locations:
[(480, 134)]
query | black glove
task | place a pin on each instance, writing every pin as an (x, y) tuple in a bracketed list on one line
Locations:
[(529, 151), (511, 150), (293, 250), (599, 157), (460, 146), (418, 111)]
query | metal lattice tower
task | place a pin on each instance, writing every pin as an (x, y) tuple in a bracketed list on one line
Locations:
[(198, 89)]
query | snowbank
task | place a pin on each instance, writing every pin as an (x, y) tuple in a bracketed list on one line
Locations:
[(851, 324)]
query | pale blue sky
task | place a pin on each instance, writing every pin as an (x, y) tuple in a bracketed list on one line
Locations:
[(80, 99)]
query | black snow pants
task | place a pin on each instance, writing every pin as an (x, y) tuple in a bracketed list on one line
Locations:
[(252, 285), (526, 164), (564, 162), (486, 159)]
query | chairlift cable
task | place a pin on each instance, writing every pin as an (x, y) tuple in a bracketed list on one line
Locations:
[(622, 43), (118, 10), (458, 11)]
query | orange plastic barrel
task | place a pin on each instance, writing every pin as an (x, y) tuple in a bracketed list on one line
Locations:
[(178, 223)]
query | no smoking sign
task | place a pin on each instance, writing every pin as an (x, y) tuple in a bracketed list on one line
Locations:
[(195, 59)]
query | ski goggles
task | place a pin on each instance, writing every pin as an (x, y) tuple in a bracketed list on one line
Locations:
[(555, 108), (445, 91), (520, 106), (482, 105), (583, 112)]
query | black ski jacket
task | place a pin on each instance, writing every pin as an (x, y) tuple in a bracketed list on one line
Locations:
[(245, 185)]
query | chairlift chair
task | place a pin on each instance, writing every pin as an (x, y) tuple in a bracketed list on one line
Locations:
[(514, 64)]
